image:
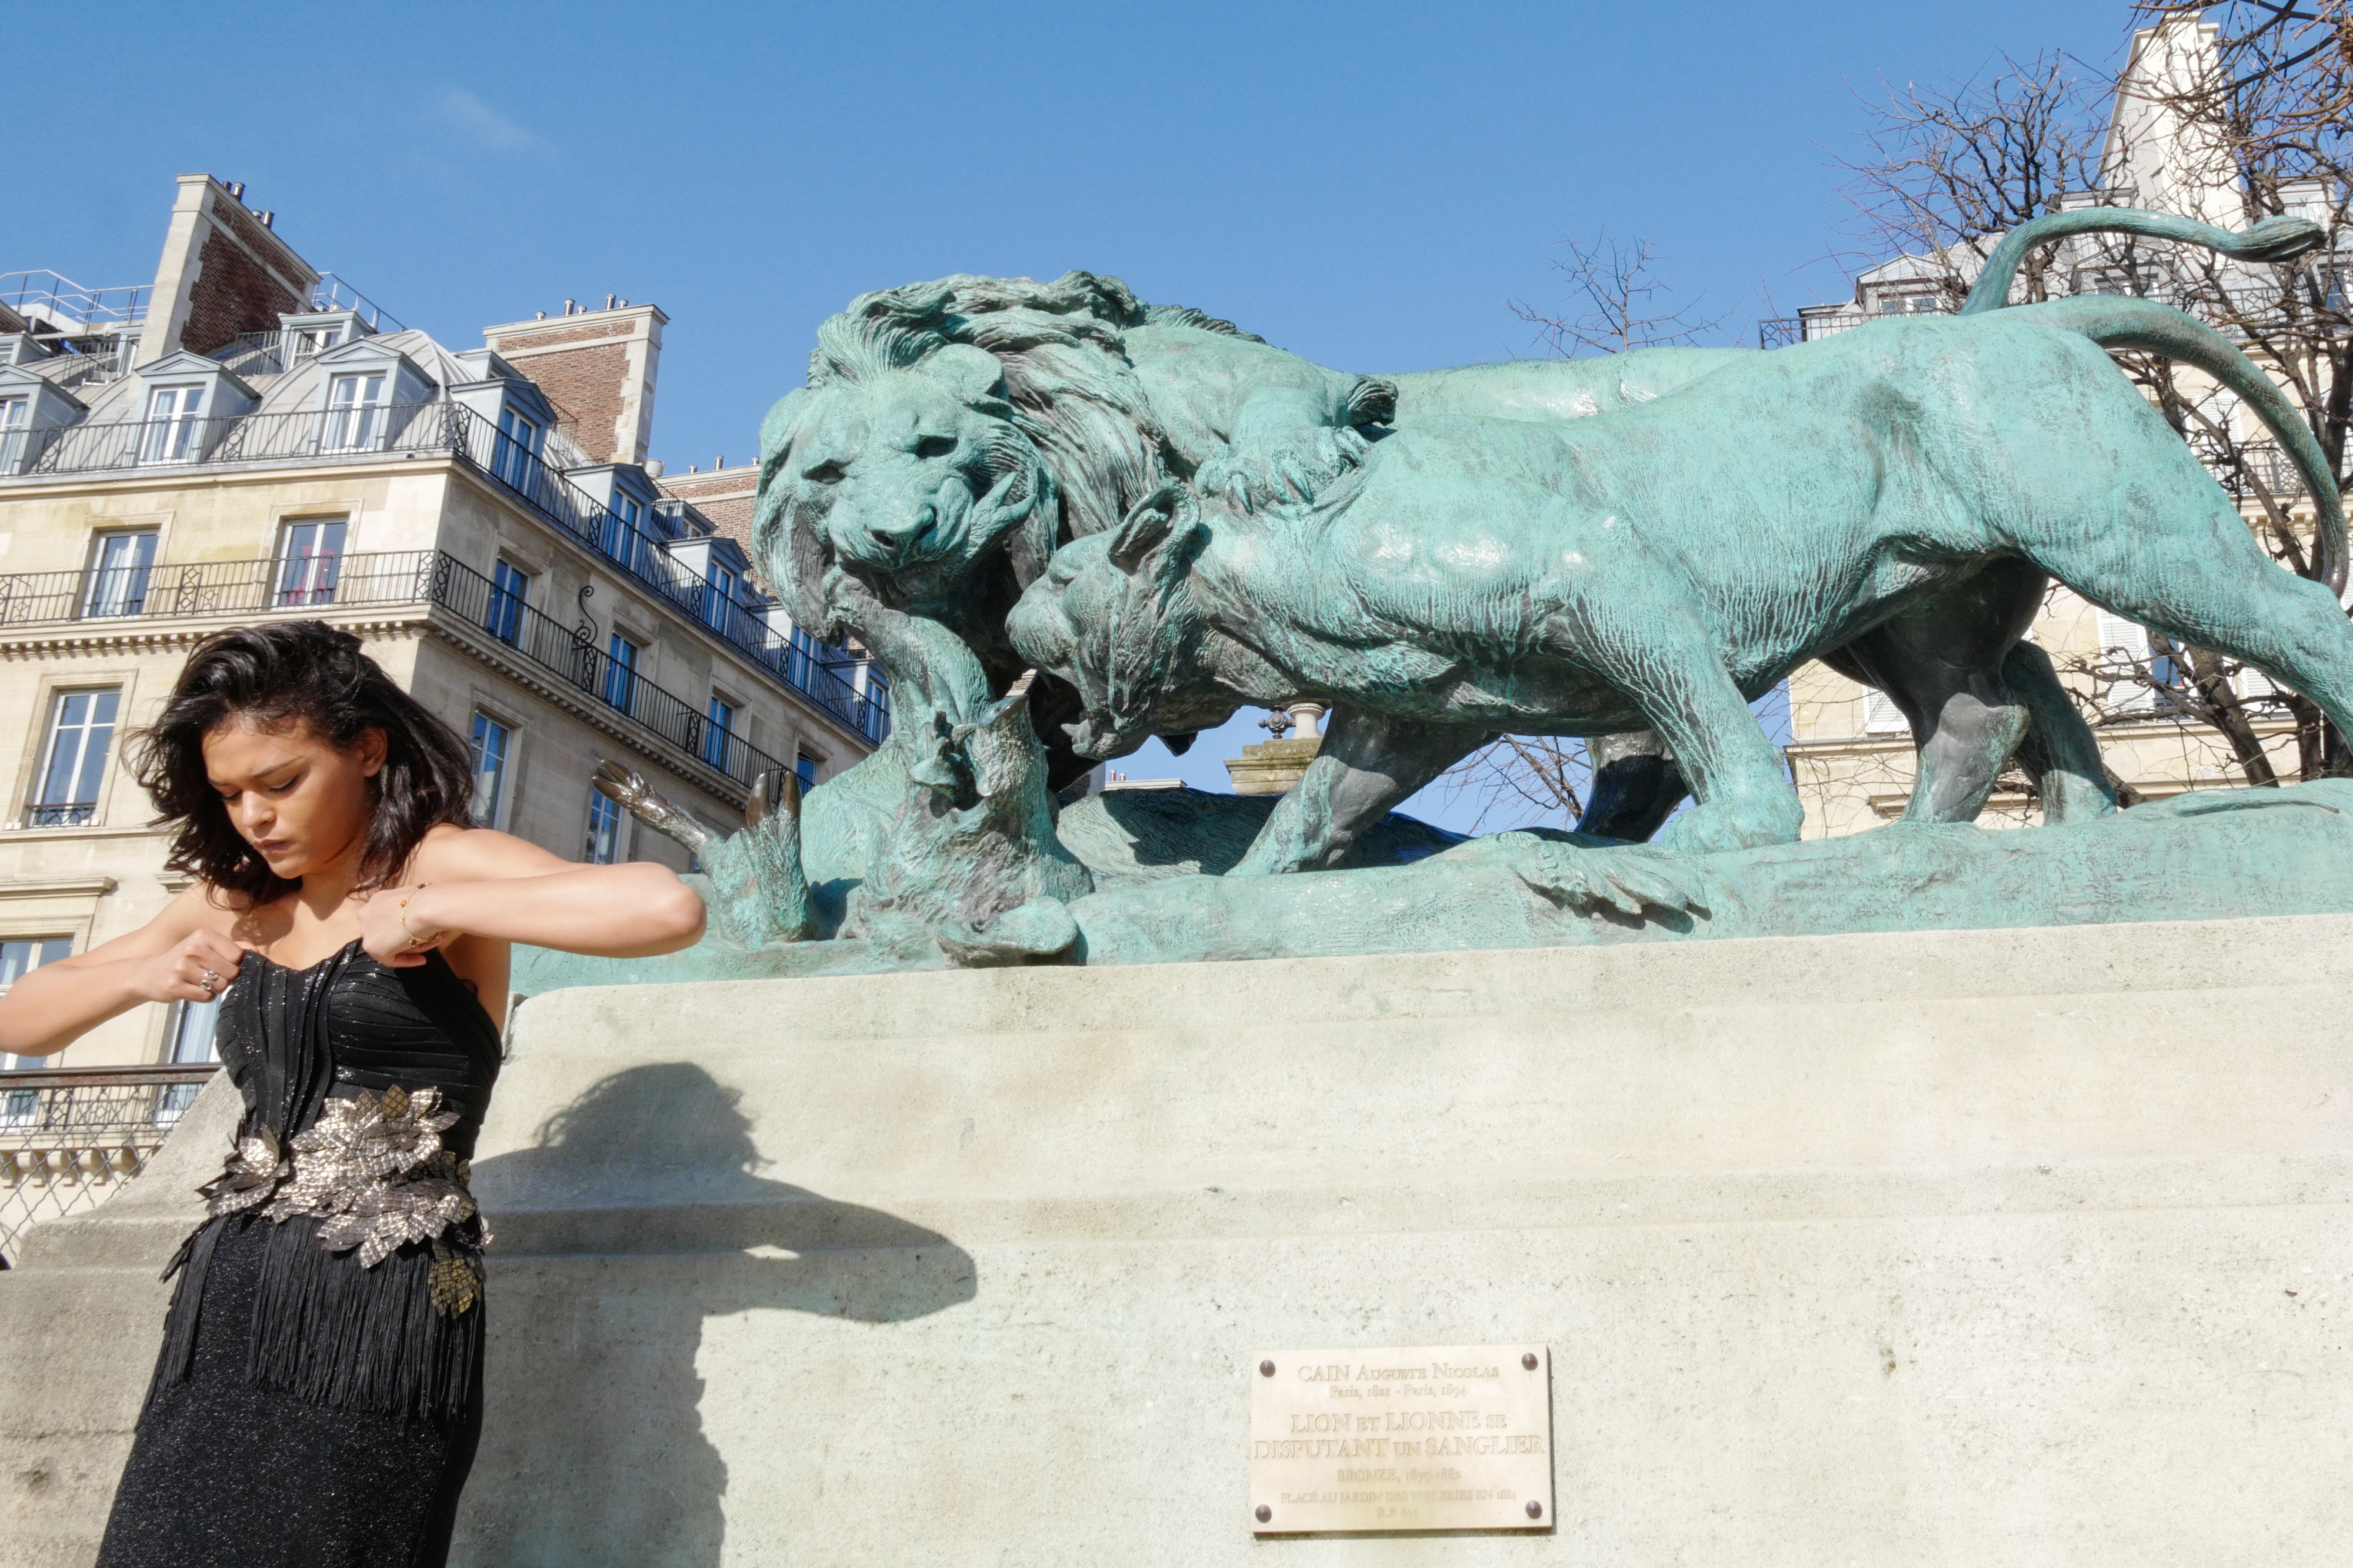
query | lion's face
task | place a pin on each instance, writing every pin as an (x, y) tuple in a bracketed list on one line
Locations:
[(909, 479), (1113, 618)]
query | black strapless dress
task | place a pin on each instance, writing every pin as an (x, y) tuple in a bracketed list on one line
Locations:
[(318, 1399)]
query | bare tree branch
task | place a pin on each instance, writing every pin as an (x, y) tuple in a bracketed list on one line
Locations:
[(1618, 300), (1947, 170)]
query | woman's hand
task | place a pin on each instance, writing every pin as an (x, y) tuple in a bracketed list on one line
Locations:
[(197, 968), (392, 934)]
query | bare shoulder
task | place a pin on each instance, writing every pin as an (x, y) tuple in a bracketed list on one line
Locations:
[(452, 854)]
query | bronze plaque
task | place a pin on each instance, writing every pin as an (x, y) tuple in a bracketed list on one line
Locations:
[(1424, 1437)]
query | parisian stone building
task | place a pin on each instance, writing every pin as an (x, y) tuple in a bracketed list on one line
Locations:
[(248, 438)]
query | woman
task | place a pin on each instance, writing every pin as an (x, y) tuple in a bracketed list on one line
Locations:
[(318, 1393)]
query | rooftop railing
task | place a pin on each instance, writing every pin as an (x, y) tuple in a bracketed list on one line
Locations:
[(81, 363), (1812, 326), (852, 690), (251, 354), (70, 1136), (333, 293), (66, 303)]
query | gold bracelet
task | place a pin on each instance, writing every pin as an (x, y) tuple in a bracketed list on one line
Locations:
[(415, 940)]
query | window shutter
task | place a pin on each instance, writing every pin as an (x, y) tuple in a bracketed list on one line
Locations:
[(2121, 640), (1879, 714), (2253, 683)]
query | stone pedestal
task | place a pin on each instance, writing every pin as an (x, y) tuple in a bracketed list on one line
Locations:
[(1272, 767), (1980, 1247)]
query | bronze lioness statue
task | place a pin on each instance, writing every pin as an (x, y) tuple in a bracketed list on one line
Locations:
[(1894, 498)]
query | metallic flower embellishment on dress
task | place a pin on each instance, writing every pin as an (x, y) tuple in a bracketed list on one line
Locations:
[(372, 1169), (252, 1175), (455, 1281)]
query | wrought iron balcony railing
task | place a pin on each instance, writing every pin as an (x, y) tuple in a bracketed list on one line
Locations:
[(176, 443), (308, 584), (572, 653), (214, 587), (850, 689), (70, 1136), (2266, 462)]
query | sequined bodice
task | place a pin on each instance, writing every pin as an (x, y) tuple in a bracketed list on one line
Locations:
[(293, 1038)]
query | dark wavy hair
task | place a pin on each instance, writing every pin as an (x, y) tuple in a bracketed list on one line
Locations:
[(275, 675)]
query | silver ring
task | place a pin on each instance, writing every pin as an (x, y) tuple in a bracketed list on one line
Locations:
[(211, 980)]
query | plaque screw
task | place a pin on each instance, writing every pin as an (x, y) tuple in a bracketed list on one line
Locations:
[(1266, 1369), (1535, 1510), (1265, 1513), (1529, 1360)]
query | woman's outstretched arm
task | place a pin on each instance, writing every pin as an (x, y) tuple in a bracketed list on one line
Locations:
[(472, 882), (166, 959)]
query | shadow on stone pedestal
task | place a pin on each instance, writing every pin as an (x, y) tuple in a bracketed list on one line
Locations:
[(628, 1218), (635, 1217)]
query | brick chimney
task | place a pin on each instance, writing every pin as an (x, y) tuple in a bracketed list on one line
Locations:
[(597, 368), (222, 273)]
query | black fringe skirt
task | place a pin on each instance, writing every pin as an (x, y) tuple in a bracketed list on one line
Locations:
[(243, 1457)]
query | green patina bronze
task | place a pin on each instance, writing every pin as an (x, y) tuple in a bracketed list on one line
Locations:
[(1165, 518)]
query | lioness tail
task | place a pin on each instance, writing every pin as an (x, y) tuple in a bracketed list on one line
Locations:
[(2272, 239)]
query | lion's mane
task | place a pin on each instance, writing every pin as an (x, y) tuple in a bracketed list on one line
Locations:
[(1066, 373)]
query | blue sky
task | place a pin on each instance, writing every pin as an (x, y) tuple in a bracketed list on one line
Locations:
[(1368, 185)]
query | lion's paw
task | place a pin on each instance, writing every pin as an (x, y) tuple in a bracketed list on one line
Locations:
[(1282, 467), (1629, 880)]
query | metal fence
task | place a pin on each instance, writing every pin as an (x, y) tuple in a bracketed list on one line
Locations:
[(333, 293), (2264, 461), (70, 1136), (250, 355), (60, 298), (82, 363)]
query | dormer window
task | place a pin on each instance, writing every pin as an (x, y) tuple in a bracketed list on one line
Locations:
[(355, 412), (719, 605), (628, 544), (517, 458), (174, 415), (15, 412)]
